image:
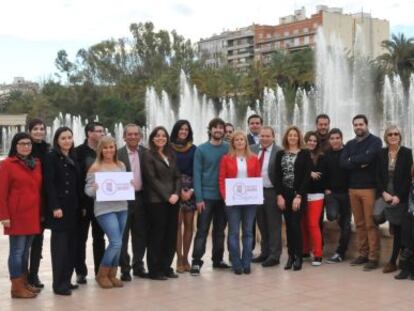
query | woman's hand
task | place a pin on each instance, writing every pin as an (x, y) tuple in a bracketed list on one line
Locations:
[(316, 175), (5, 223), (296, 204), (173, 199), (281, 202), (395, 200), (58, 213), (387, 197)]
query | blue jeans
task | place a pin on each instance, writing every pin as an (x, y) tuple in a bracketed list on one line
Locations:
[(244, 214), (113, 224), (19, 254)]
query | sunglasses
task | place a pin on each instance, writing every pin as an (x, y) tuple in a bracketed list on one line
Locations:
[(393, 134)]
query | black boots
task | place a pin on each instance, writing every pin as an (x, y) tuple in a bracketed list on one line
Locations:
[(297, 264), (289, 263), (407, 266)]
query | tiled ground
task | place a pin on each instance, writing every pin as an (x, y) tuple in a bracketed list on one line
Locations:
[(329, 287)]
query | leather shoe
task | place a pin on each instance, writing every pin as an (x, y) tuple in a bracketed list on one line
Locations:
[(158, 277), (297, 264), (247, 271), (270, 262), (67, 292), (289, 263), (35, 282), (73, 286), (81, 279), (140, 272), (220, 265), (238, 271), (126, 277), (171, 275), (259, 259)]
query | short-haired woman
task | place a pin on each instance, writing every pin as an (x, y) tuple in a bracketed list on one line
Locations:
[(293, 167), (162, 191), (20, 198), (393, 185), (111, 215), (62, 185), (239, 162)]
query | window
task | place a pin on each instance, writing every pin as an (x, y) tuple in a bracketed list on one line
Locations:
[(306, 40), (286, 33)]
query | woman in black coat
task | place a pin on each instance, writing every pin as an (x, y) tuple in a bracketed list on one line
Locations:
[(162, 190), (293, 170), (62, 182), (37, 131), (393, 185)]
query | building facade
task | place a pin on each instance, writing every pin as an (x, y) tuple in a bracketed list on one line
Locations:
[(359, 33)]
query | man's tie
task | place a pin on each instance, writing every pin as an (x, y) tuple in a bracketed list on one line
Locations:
[(261, 158)]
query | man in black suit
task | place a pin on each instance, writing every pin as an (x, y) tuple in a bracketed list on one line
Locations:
[(269, 216), (131, 155), (255, 123)]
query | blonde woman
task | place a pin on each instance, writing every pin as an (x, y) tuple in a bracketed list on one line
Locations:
[(240, 162), (111, 216)]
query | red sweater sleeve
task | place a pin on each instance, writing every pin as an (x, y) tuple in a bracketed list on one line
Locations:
[(4, 190)]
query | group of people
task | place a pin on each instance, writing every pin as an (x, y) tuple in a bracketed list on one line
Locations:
[(54, 187)]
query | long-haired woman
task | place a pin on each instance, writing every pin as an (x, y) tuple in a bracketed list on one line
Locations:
[(293, 170), (162, 191), (62, 185), (111, 215), (240, 162), (184, 149)]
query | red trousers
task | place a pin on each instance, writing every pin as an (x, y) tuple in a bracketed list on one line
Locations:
[(311, 231)]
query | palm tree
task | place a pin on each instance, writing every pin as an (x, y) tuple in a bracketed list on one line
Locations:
[(399, 57)]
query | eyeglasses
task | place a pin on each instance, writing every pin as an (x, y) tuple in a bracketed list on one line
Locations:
[(25, 144), (393, 134)]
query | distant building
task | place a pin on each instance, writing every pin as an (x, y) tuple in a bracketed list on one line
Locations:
[(19, 84), (295, 32)]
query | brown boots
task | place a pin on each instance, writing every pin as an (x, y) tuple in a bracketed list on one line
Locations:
[(19, 289), (112, 277), (106, 277)]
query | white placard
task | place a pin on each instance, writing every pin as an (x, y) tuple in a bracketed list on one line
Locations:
[(114, 186), (244, 191)]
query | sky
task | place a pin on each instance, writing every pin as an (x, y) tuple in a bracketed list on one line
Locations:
[(32, 32)]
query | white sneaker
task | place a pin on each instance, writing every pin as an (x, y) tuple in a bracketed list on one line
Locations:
[(317, 261)]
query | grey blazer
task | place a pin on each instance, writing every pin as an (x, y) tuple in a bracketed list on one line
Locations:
[(272, 161), (123, 156)]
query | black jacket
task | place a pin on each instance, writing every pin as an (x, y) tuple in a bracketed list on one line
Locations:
[(301, 171), (336, 177), (85, 156), (62, 183), (318, 186), (359, 157), (40, 150), (402, 173), (161, 180)]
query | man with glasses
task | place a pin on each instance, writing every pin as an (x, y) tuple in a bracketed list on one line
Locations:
[(86, 155)]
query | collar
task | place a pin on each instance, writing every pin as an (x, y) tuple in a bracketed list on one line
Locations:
[(267, 148)]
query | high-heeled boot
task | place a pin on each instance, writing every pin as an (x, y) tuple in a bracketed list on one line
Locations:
[(297, 264), (289, 263)]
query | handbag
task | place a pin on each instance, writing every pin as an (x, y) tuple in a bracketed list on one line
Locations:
[(393, 213)]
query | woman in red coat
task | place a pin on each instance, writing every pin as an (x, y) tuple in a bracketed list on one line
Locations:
[(20, 188), (240, 162)]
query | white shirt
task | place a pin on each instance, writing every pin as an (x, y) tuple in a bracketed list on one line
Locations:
[(265, 168), (135, 168), (241, 167)]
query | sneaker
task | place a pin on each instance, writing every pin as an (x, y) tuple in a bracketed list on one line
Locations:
[(335, 259), (317, 261), (195, 270), (371, 265), (359, 261)]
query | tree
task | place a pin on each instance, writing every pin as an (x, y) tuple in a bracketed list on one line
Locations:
[(399, 58)]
